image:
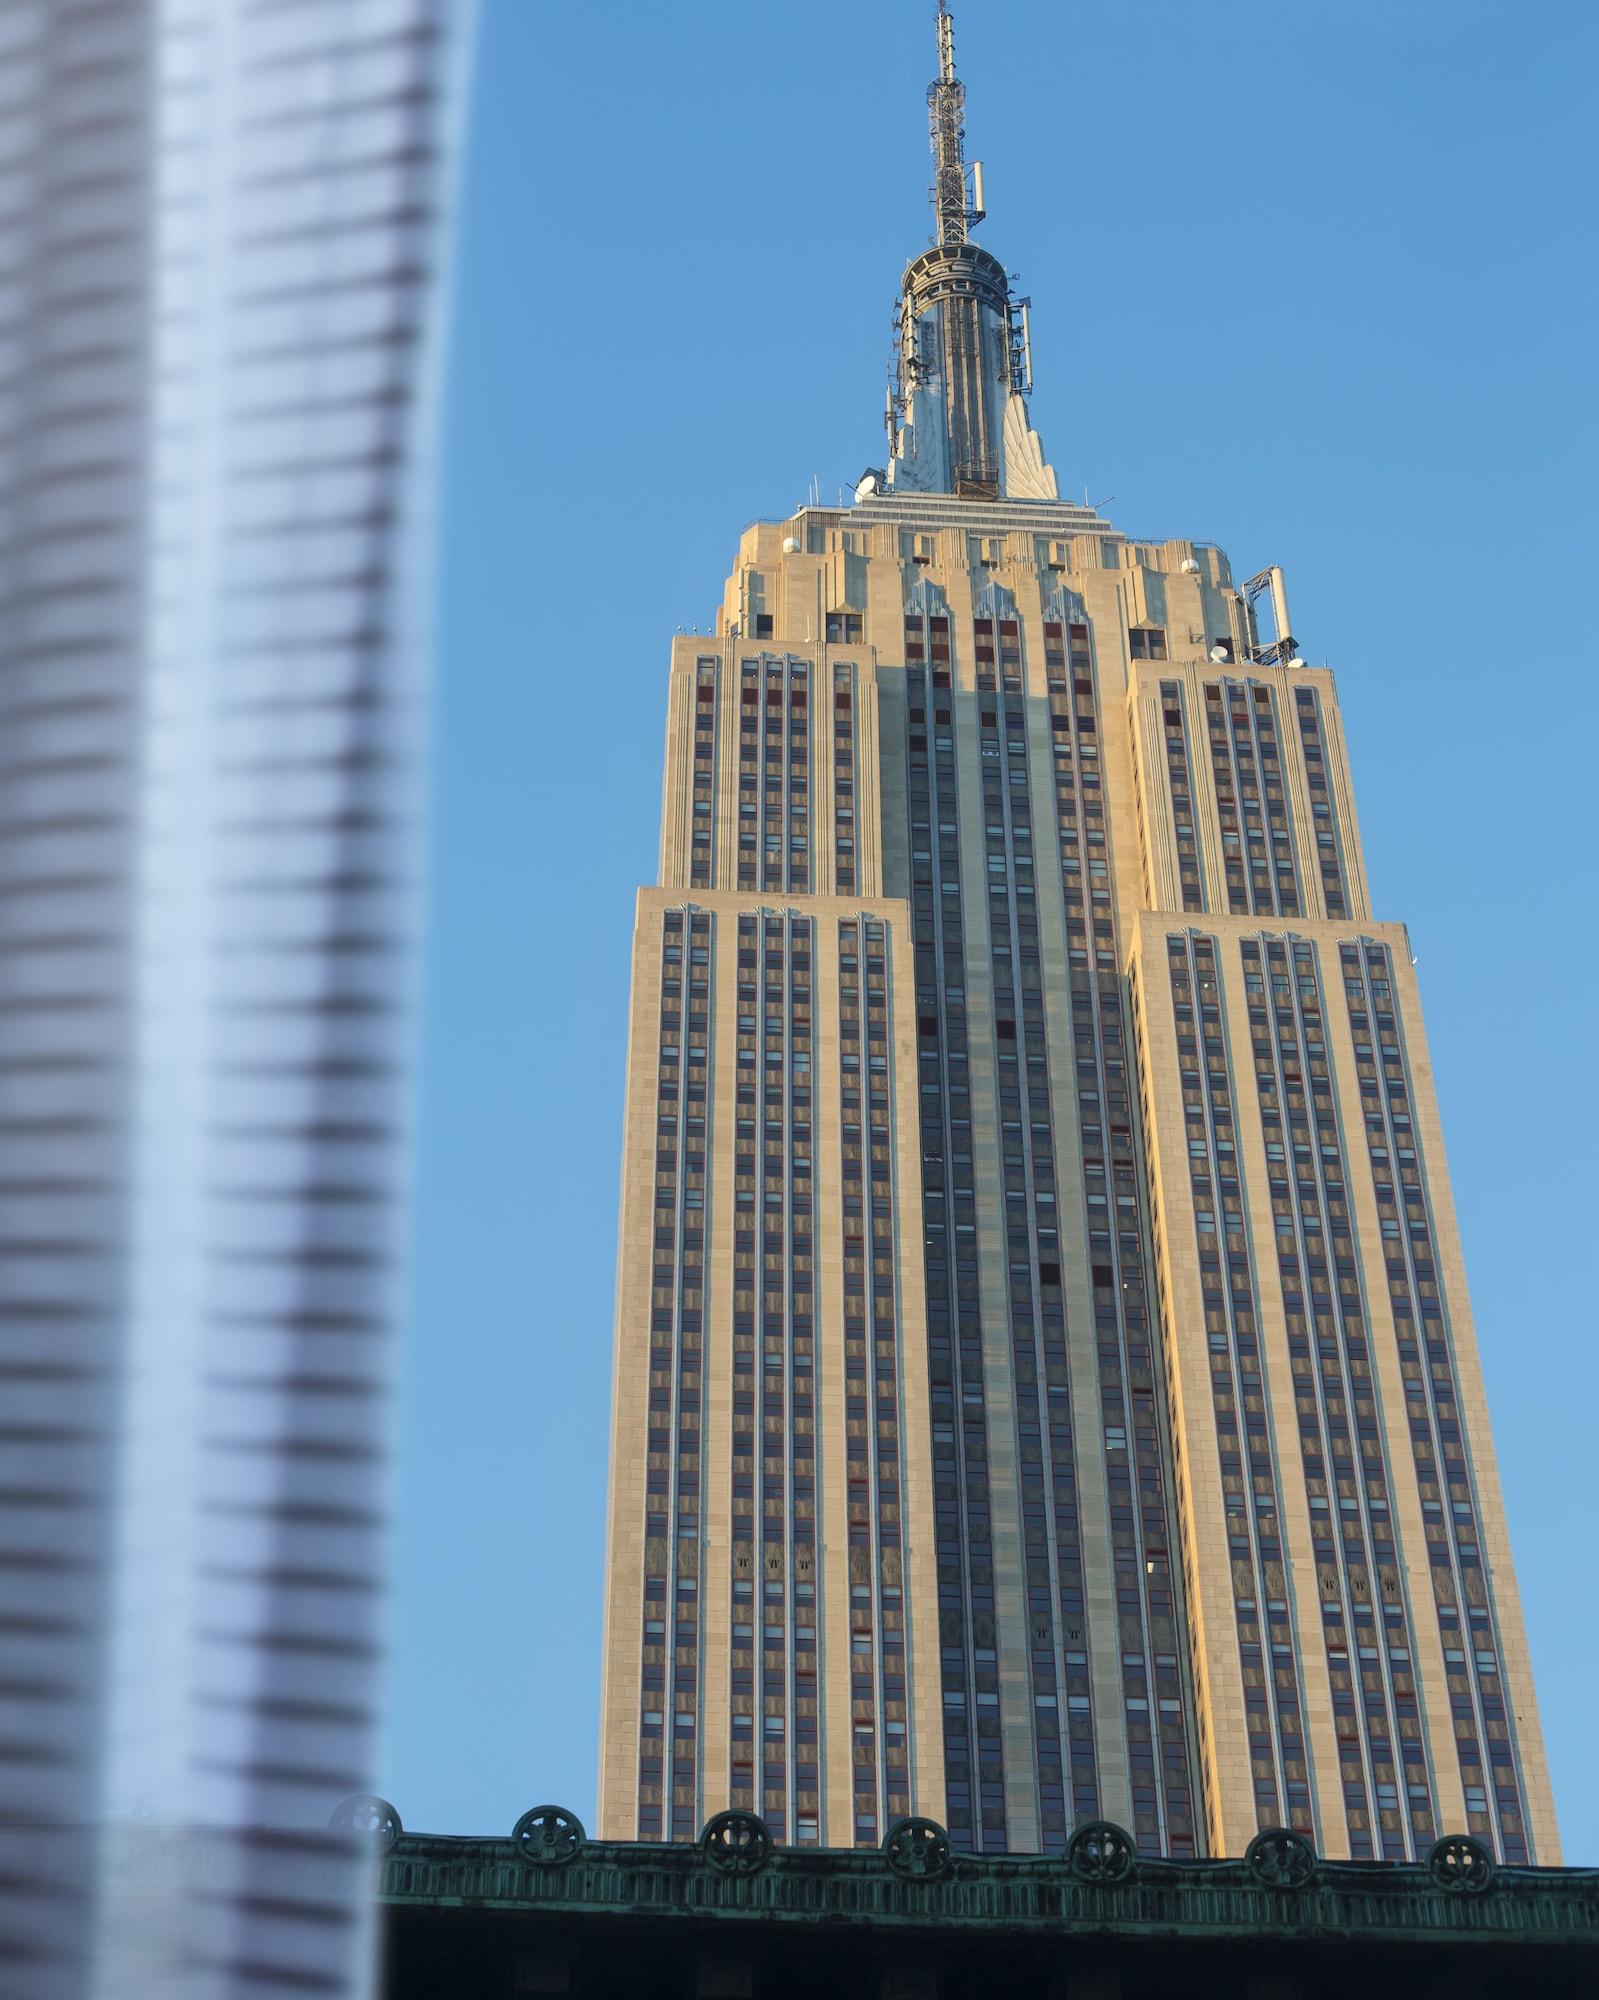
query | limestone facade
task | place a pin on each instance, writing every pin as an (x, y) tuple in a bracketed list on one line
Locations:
[(1183, 1477)]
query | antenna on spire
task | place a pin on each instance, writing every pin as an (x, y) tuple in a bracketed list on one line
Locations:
[(946, 100)]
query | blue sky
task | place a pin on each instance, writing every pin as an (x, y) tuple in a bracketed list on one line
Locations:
[(1314, 282)]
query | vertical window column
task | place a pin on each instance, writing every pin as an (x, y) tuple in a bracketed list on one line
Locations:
[(668, 1764), (751, 765), (781, 1220), (748, 1436), (1154, 1716), (1257, 840), (1136, 1479), (845, 801), (1484, 1731), (1180, 784), (1251, 1493), (1045, 1442), (798, 772), (962, 1527), (775, 774), (878, 1713), (1329, 848), (701, 850), (1364, 1615)]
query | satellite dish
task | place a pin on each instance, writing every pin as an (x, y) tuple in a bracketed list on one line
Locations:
[(1189, 567), (791, 545), (1219, 655)]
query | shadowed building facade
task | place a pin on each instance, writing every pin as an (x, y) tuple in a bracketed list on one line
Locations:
[(1045, 1381)]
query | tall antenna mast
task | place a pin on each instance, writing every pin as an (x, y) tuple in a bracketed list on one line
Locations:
[(946, 100)]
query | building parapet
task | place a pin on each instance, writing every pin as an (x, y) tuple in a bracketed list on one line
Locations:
[(1101, 1886)]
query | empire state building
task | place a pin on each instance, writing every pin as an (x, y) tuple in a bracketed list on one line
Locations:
[(1046, 1389)]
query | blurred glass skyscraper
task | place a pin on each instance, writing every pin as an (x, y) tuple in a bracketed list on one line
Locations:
[(222, 229)]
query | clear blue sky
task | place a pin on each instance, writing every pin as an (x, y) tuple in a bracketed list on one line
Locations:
[(1312, 281)]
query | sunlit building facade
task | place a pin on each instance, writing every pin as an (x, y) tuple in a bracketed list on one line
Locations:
[(1045, 1381)]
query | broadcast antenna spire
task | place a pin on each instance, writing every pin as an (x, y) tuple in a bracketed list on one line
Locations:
[(946, 100), (956, 415)]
